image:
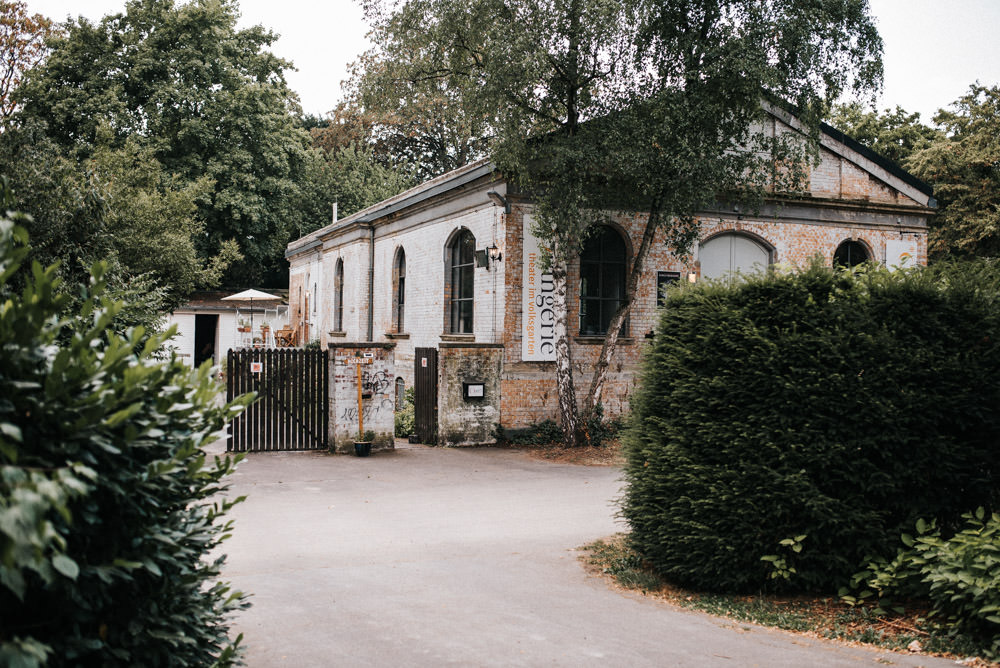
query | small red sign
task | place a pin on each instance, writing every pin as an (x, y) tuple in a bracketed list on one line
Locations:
[(256, 367)]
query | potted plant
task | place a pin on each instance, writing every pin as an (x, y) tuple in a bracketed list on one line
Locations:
[(363, 446), (265, 327), (243, 326)]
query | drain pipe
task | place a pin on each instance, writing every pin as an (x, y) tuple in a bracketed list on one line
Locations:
[(371, 283)]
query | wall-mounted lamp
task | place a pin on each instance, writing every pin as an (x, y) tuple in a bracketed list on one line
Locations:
[(500, 200), (494, 252)]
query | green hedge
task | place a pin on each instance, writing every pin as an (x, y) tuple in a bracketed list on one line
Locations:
[(836, 406), (109, 514)]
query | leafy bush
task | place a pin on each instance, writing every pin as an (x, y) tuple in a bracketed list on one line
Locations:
[(405, 422), (107, 516), (960, 575), (540, 433), (600, 430), (829, 408)]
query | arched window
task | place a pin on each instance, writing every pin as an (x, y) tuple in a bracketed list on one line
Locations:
[(399, 291), (400, 393), (603, 264), (850, 254), (729, 253), (460, 282), (338, 295)]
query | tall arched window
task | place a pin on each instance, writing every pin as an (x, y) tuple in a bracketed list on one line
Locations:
[(850, 254), (460, 282), (603, 264), (338, 295), (400, 393), (399, 291)]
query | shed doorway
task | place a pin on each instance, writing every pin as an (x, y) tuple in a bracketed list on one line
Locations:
[(206, 336)]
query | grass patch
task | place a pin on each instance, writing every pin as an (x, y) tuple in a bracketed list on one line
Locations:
[(823, 617)]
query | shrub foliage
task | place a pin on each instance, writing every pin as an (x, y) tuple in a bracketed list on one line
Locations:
[(107, 526), (960, 576), (811, 419)]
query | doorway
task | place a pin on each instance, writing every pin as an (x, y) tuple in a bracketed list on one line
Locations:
[(425, 394), (205, 337)]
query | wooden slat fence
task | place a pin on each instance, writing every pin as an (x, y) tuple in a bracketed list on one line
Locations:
[(291, 411)]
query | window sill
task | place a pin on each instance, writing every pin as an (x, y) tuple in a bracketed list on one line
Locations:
[(397, 335), (458, 337), (337, 335), (598, 340)]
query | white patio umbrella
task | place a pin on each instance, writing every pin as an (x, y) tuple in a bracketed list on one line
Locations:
[(249, 296)]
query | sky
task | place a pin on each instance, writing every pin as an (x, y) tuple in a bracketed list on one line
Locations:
[(934, 49)]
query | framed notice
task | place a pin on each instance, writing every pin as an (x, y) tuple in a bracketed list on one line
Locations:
[(900, 254), (538, 319)]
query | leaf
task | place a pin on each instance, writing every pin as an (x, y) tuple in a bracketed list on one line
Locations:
[(66, 566), (13, 432)]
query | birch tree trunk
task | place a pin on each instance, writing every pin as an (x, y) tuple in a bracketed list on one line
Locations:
[(614, 329), (564, 362)]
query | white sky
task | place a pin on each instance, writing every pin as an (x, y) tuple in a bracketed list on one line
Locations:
[(934, 49)]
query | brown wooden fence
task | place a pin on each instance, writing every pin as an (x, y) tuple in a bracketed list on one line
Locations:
[(291, 411)]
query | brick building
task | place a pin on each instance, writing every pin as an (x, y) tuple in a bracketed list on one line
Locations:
[(447, 271)]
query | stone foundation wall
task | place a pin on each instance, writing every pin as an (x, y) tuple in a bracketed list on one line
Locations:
[(378, 401), (468, 420)]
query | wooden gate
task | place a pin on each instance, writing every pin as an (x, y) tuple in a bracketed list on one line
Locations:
[(291, 411), (425, 394)]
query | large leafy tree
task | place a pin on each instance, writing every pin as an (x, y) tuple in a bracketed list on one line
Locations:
[(958, 156), (894, 133), (600, 105), (22, 46), (342, 168), (963, 165), (412, 118), (208, 100), (118, 206)]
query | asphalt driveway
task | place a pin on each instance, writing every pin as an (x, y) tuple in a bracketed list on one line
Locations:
[(466, 557)]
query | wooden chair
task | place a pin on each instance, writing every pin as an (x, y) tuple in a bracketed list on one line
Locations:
[(284, 337)]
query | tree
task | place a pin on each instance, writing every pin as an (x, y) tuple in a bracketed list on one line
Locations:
[(118, 207), (962, 165), (342, 168), (207, 99), (152, 221), (601, 105), (22, 46), (410, 117), (895, 134)]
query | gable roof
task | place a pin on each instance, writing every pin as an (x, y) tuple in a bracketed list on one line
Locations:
[(831, 139)]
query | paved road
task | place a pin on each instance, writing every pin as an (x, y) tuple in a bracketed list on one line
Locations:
[(461, 557)]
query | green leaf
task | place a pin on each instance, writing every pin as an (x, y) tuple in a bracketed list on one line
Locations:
[(66, 566)]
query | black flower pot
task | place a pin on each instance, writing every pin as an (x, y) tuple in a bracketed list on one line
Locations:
[(362, 448)]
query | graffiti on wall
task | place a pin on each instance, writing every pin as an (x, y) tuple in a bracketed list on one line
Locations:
[(375, 382), (349, 414)]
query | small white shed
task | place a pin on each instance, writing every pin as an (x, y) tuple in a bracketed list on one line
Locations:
[(208, 326)]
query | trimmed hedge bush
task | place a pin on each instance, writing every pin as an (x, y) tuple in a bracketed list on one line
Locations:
[(107, 516), (811, 418)]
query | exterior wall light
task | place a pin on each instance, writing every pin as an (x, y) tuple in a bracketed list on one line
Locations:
[(494, 252)]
